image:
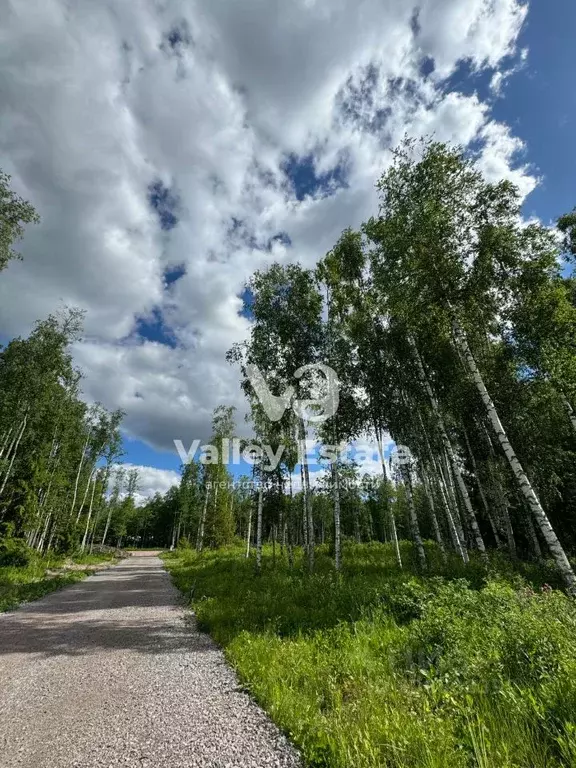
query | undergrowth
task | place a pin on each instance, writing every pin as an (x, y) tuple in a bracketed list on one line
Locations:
[(460, 667), (40, 576)]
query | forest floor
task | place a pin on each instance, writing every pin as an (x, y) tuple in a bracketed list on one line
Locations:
[(460, 667), (112, 671)]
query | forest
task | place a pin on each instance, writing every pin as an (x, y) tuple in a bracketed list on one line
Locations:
[(415, 612)]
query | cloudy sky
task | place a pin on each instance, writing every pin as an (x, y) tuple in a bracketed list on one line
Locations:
[(172, 148)]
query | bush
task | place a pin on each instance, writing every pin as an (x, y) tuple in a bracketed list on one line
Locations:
[(15, 553)]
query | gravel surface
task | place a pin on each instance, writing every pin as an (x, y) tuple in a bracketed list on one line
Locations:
[(112, 671)]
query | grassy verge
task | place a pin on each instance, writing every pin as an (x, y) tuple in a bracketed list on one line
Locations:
[(386, 668), (25, 583)]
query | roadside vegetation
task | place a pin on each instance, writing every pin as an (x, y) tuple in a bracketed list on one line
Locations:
[(379, 666), (25, 575)]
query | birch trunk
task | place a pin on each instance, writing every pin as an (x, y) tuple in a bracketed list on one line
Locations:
[(248, 533), (173, 540), (457, 540), (569, 409), (336, 495), (432, 505), (259, 531), (414, 518), (40, 545), (290, 519), (84, 498), (456, 533), (476, 535), (393, 531), (81, 463), (499, 494), (282, 528), (10, 447), (307, 501), (105, 534), (534, 539), (14, 452), (200, 538), (485, 504), (304, 508), (5, 438), (524, 485), (85, 537), (448, 484)]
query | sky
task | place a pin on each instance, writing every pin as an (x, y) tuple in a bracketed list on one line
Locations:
[(173, 148)]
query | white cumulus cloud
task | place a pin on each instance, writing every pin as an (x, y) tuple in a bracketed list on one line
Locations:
[(199, 107)]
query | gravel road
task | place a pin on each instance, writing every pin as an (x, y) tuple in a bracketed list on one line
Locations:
[(112, 672)]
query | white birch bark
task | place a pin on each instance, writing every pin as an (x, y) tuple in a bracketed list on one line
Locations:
[(534, 539), (448, 485), (259, 530), (80, 464), (485, 504), (393, 530), (105, 534), (85, 537), (569, 409), (477, 536), (200, 537), (289, 524), (456, 533), (307, 501), (414, 525), (14, 452), (40, 545), (432, 505), (336, 498), (499, 494), (11, 445), (5, 439), (304, 506), (524, 485), (84, 498), (248, 533)]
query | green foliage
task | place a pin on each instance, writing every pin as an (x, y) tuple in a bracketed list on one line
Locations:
[(14, 553), (379, 667), (14, 213), (50, 440), (24, 582)]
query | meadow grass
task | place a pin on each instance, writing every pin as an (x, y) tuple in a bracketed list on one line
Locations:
[(22, 584), (462, 666)]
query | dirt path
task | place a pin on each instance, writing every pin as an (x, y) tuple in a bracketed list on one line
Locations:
[(108, 672)]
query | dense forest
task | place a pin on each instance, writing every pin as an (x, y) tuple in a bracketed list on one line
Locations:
[(451, 325)]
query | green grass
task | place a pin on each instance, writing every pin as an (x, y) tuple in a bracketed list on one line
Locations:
[(26, 583), (378, 667)]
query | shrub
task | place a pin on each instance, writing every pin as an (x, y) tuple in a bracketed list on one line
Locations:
[(15, 553)]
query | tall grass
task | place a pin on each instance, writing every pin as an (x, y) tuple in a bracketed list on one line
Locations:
[(381, 667), (22, 584)]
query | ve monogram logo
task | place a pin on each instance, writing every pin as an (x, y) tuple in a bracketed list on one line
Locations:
[(275, 406)]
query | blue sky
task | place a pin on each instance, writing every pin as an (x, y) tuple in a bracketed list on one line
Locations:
[(171, 153), (539, 103)]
